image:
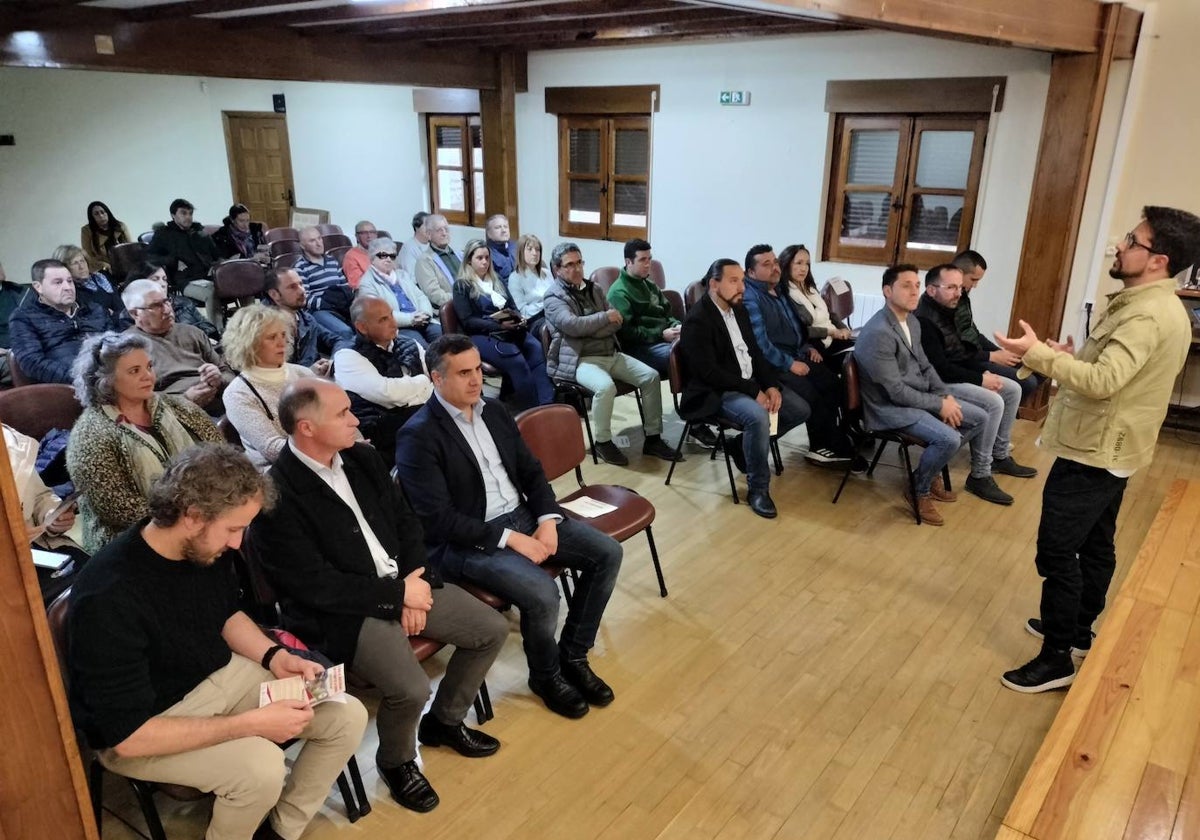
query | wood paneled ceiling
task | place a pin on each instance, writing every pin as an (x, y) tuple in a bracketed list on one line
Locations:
[(437, 24)]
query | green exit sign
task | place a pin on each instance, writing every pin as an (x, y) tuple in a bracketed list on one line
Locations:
[(735, 97)]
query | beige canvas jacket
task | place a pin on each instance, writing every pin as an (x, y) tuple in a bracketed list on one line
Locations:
[(1113, 395)]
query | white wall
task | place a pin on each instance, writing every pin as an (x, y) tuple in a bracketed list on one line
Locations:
[(724, 178), (138, 141)]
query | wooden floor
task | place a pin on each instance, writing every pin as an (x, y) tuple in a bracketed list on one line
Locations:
[(831, 674)]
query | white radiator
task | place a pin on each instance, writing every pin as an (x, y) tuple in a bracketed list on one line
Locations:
[(865, 305)]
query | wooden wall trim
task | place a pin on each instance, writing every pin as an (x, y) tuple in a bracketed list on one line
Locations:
[(498, 120), (970, 95), (205, 48), (611, 99), (44, 792), (445, 101)]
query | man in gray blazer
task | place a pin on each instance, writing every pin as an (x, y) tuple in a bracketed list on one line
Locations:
[(901, 391)]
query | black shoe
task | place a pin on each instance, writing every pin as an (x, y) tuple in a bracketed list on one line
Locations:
[(733, 445), (1007, 466), (610, 453), (265, 832), (987, 489), (409, 787), (657, 447), (760, 502), (579, 674), (469, 742), (703, 436), (560, 696), (1081, 647), (859, 465), (1048, 670), (826, 458)]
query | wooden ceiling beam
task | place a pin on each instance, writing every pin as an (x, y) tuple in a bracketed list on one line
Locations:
[(188, 8), (529, 31), (205, 48), (352, 12), (39, 18), (1071, 26)]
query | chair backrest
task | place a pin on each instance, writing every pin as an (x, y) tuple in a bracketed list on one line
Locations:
[(337, 240), (605, 276), (678, 310), (261, 591), (56, 617), (693, 293), (281, 233), (145, 238), (286, 260), (450, 322), (675, 371), (124, 258), (544, 335), (284, 246), (851, 393), (383, 234), (657, 274), (554, 436), (36, 409), (19, 378), (209, 230), (236, 279), (230, 432), (326, 230), (841, 304), (339, 252)]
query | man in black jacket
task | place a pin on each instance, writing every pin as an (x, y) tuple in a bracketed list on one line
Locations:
[(488, 508), (47, 332), (183, 247), (348, 557), (727, 375)]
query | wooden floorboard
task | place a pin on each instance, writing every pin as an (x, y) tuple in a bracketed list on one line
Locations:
[(830, 675)]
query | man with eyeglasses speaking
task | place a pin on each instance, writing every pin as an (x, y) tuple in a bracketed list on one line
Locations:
[(1102, 426)]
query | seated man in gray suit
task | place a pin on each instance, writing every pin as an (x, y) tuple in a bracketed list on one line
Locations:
[(901, 391)]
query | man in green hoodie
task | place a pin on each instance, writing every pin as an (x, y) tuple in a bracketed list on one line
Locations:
[(647, 328)]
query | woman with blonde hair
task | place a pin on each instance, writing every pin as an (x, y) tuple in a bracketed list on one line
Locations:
[(90, 286), (256, 341), (530, 281), (490, 318)]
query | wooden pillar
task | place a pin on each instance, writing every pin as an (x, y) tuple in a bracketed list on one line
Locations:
[(43, 792), (498, 119), (1073, 104)]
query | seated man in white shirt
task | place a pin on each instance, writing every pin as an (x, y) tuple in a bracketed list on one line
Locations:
[(383, 373)]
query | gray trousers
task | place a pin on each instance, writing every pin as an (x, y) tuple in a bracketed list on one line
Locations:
[(247, 774), (385, 657)]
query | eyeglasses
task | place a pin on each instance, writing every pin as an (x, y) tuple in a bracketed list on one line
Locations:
[(384, 255), (160, 306), (569, 265), (1131, 242)]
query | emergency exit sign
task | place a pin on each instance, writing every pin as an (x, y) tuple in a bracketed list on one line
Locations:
[(735, 97)]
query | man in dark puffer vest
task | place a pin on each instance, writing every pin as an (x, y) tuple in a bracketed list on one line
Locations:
[(383, 373)]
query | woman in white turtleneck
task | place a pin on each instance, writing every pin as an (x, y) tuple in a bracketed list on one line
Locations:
[(256, 341)]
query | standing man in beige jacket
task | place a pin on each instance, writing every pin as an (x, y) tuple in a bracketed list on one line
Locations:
[(1103, 425)]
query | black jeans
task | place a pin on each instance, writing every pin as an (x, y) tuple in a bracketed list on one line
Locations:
[(1075, 552), (821, 389)]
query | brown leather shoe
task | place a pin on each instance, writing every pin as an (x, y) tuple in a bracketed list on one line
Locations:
[(929, 512), (938, 490)]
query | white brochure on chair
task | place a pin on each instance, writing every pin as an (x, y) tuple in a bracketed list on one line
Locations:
[(587, 507), (331, 685), (839, 285)]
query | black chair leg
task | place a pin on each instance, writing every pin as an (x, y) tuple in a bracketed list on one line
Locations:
[(662, 583), (483, 705), (842, 485), (875, 460), (587, 425), (728, 464), (145, 798), (776, 456), (678, 449), (343, 786), (946, 477), (96, 788), (912, 483), (637, 395), (360, 790)]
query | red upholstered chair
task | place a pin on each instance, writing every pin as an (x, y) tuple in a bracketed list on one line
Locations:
[(605, 276), (657, 274), (552, 433), (237, 283), (283, 246), (286, 260), (451, 324), (124, 258), (36, 409), (678, 310), (693, 293), (281, 233), (327, 230), (337, 240), (841, 304), (339, 252)]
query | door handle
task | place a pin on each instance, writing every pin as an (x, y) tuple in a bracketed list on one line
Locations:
[(290, 196)]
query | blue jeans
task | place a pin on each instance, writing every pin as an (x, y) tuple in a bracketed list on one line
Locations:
[(333, 323), (424, 336), (983, 445), (1028, 385), (756, 430), (515, 578), (942, 441), (524, 364), (656, 355)]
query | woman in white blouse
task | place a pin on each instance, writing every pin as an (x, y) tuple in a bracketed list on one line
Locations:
[(829, 333), (257, 340), (530, 281)]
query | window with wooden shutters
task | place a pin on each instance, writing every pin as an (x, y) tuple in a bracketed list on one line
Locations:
[(604, 176), (903, 188), (456, 168)]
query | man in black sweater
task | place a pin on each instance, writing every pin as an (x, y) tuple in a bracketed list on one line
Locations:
[(165, 670)]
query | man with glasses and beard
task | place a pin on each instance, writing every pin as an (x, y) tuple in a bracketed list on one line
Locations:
[(165, 669), (1102, 426)]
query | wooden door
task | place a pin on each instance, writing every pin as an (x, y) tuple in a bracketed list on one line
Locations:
[(260, 165)]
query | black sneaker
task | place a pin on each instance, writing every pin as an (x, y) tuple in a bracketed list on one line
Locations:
[(1081, 647), (658, 447), (610, 453), (987, 489), (859, 465), (1007, 466), (703, 436), (1048, 670), (826, 458)]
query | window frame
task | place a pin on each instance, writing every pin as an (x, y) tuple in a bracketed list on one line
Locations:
[(903, 188), (468, 124), (608, 125)]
